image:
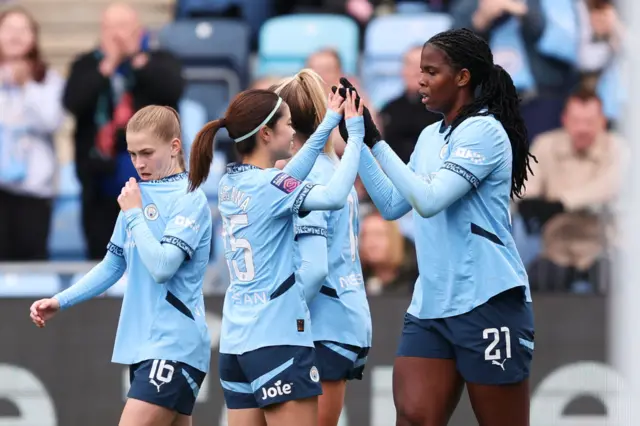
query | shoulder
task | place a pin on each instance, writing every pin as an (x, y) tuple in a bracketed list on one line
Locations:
[(480, 129), (551, 141), (52, 76), (86, 59), (192, 200)]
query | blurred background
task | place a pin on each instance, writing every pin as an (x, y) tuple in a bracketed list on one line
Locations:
[(72, 72)]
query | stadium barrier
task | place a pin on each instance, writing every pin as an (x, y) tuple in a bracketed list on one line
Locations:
[(62, 375)]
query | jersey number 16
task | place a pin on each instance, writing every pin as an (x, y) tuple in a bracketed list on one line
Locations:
[(228, 226)]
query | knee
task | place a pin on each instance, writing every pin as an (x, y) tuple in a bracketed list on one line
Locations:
[(414, 413)]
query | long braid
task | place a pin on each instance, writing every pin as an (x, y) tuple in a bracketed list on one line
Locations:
[(496, 95)]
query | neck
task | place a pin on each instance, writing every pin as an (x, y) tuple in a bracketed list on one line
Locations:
[(453, 112), (259, 159)]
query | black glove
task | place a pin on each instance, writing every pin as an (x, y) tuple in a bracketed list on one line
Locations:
[(371, 132)]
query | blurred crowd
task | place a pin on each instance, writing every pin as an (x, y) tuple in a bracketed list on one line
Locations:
[(564, 226)]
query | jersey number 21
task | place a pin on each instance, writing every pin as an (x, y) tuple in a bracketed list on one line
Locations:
[(229, 224)]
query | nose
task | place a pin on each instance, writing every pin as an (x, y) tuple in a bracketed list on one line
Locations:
[(422, 81)]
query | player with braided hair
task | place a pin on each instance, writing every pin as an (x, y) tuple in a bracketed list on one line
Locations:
[(470, 320)]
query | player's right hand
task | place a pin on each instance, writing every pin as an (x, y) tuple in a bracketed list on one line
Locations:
[(43, 310), (336, 101)]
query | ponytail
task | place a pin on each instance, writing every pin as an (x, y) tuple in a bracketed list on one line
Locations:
[(498, 97), (202, 153)]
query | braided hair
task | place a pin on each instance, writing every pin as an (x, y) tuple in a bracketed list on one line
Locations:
[(495, 95)]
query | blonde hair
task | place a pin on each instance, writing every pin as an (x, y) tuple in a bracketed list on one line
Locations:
[(162, 121), (395, 255), (306, 96)]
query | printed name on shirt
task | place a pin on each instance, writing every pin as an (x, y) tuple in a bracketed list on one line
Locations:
[(237, 197), (465, 153), (285, 183)]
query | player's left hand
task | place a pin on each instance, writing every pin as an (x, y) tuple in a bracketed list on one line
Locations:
[(130, 197), (336, 101)]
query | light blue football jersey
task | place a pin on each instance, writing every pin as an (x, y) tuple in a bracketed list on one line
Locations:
[(263, 306), (340, 312), (166, 321), (466, 253)]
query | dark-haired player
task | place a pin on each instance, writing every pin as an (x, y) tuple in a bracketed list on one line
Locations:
[(470, 320)]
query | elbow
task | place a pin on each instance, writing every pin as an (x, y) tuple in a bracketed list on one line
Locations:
[(161, 277), (387, 214), (321, 274), (426, 212)]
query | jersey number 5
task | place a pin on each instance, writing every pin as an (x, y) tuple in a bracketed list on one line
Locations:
[(235, 244)]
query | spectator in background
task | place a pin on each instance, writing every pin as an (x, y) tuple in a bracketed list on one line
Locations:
[(553, 79), (575, 180), (404, 118), (106, 87), (30, 113), (389, 264)]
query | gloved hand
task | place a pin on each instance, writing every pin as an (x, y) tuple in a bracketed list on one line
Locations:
[(371, 132)]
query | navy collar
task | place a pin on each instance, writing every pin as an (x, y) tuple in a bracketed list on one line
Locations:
[(172, 178), (233, 168)]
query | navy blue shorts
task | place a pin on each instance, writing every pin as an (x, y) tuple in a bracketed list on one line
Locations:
[(169, 384), (338, 361), (492, 344), (270, 375)]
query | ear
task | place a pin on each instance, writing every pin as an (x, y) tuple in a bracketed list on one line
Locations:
[(265, 133), (176, 147), (463, 78)]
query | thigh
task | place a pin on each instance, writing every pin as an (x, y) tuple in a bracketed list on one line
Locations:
[(426, 385), (331, 401), (168, 384), (425, 390), (182, 420), (281, 373), (494, 342), (293, 413), (142, 413), (246, 417), (500, 405)]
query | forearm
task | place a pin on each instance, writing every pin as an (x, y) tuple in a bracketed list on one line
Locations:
[(302, 163), (389, 202), (161, 260), (97, 281), (427, 198), (313, 269), (335, 193)]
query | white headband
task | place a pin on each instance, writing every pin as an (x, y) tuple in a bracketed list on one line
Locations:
[(266, 120)]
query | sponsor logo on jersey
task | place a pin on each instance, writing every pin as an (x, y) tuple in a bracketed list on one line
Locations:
[(285, 183)]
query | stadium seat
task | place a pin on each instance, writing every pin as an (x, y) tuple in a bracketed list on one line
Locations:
[(215, 58), (386, 40), (410, 7), (66, 238), (285, 42), (193, 116), (29, 285)]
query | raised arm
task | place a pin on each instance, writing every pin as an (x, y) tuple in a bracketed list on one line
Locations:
[(427, 198), (335, 193), (302, 163), (161, 260), (386, 197)]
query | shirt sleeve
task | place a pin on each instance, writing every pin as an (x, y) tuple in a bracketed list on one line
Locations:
[(188, 222), (477, 149), (315, 223), (119, 236), (286, 193)]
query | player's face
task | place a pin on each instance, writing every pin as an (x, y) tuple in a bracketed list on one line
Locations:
[(281, 138), (153, 159), (438, 86), (16, 36)]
